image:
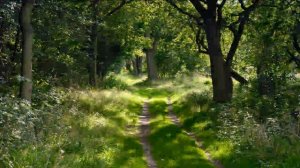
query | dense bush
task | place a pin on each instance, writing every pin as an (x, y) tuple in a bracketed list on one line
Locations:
[(260, 130), (112, 82), (22, 124)]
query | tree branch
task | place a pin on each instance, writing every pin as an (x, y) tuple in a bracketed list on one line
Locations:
[(172, 3), (124, 2), (238, 77), (237, 33), (242, 4), (202, 48), (199, 7)]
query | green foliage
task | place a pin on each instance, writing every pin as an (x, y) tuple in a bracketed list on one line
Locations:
[(111, 81), (98, 130), (92, 128), (251, 131), (23, 124)]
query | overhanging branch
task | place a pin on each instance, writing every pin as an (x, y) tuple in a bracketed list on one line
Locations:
[(238, 77), (199, 7), (124, 2), (242, 4), (202, 48), (237, 33), (172, 3)]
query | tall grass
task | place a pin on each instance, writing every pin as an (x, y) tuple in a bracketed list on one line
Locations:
[(99, 130), (251, 131)]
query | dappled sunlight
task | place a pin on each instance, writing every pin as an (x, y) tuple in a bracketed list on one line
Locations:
[(220, 149), (171, 147), (105, 136), (95, 121), (102, 129), (131, 80)]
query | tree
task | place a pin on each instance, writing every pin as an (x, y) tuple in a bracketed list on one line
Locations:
[(27, 42), (96, 18), (9, 39), (275, 20), (93, 43), (151, 62), (211, 20)]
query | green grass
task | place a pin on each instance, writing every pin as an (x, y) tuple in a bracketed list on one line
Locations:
[(170, 146), (108, 132), (99, 129), (249, 148), (101, 132)]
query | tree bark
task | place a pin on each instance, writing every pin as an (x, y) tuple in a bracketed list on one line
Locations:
[(211, 20), (238, 77), (220, 72), (151, 63), (27, 42)]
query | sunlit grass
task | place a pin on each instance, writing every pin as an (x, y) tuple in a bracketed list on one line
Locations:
[(100, 132), (100, 128), (171, 147), (108, 130)]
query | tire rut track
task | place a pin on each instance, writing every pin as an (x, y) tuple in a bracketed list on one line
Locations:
[(144, 120)]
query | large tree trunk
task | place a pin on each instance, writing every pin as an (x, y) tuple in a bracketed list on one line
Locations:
[(220, 72), (93, 48), (151, 63), (27, 37)]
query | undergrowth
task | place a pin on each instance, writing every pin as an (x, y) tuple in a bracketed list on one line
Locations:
[(250, 131), (87, 128), (93, 128)]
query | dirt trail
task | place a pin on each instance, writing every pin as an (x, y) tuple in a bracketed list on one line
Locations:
[(176, 121), (144, 133)]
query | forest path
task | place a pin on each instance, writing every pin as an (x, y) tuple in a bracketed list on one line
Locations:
[(144, 134), (165, 144), (198, 142)]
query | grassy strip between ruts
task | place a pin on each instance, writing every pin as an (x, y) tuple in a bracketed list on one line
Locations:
[(170, 146)]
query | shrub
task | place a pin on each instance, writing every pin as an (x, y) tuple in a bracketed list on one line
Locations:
[(23, 124), (111, 82)]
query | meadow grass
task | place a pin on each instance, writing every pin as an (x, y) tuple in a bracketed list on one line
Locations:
[(99, 128), (100, 132)]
